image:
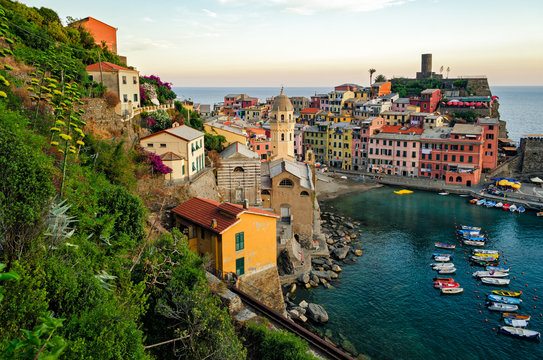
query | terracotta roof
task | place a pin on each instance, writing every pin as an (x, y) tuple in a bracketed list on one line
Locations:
[(398, 129), (310, 111), (182, 132), (107, 66), (201, 211)]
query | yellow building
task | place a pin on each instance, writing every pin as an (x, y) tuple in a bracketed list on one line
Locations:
[(340, 137), (230, 133), (239, 239), (401, 118)]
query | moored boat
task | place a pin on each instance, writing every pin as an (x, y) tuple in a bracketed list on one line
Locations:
[(446, 271), (480, 202), (486, 255), (513, 208), (515, 322), (441, 254), (451, 291), (484, 251), (498, 268), (494, 306), (539, 213), (492, 274), (468, 227), (516, 316), (442, 258), (483, 258), (443, 193), (507, 293), (490, 204), (506, 207), (439, 285), (485, 262), (468, 232), (520, 333), (473, 243), (442, 279), (474, 201), (441, 265), (495, 281), (444, 246), (474, 237), (504, 299), (498, 205), (403, 191), (521, 209)]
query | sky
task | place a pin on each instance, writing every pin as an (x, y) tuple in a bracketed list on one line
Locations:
[(320, 42)]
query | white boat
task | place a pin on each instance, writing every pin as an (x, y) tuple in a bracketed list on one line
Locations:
[(498, 205), (520, 333), (495, 281), (483, 258), (442, 258), (442, 265), (513, 208), (451, 290), (515, 322), (490, 274), (502, 307), (484, 251), (443, 193), (474, 243), (467, 227), (447, 271), (498, 268), (540, 213), (521, 209), (480, 202)]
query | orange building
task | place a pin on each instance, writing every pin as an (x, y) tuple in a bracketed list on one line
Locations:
[(101, 32), (238, 239), (381, 88)]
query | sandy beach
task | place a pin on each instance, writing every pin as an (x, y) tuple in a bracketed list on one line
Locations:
[(330, 187)]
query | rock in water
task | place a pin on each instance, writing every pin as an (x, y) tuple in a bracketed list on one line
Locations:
[(341, 253), (317, 313), (349, 225), (304, 278)]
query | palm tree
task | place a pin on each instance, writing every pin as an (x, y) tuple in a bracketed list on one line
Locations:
[(441, 69), (380, 78), (371, 71), (448, 69)]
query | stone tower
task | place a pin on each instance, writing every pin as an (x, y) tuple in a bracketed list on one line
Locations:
[(282, 128)]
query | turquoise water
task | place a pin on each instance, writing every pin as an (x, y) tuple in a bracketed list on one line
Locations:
[(385, 303)]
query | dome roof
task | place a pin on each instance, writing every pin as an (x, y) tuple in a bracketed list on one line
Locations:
[(282, 103)]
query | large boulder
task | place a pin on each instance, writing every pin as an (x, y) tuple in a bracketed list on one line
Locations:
[(321, 274), (341, 253), (284, 263), (317, 313), (304, 278)]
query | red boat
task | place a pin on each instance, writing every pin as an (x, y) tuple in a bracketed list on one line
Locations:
[(506, 207), (442, 279), (474, 201), (439, 285)]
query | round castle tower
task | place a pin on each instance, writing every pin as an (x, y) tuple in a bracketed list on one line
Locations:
[(282, 128)]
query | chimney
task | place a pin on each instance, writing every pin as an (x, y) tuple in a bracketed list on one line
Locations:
[(213, 223), (245, 204)]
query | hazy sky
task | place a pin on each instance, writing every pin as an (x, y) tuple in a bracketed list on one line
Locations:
[(320, 42)]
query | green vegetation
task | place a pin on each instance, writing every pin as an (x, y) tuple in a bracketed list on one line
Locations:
[(469, 116), (380, 78), (406, 87)]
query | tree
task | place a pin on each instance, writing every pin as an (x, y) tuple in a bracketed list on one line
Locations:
[(448, 70), (371, 71), (380, 78)]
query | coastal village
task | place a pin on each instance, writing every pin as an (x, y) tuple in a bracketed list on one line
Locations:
[(243, 180)]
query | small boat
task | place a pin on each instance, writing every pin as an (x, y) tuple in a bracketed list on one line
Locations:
[(446, 271), (474, 243), (507, 293), (403, 191), (508, 315), (504, 299), (441, 254), (441, 265), (477, 253), (498, 205), (495, 281), (521, 209), (442, 279), (444, 246), (498, 268), (493, 274), (484, 251), (539, 213), (483, 258), (490, 204), (468, 232), (506, 207), (480, 202), (520, 333), (485, 262), (515, 323), (443, 193), (474, 201), (467, 227), (451, 291), (442, 258), (513, 208), (463, 195), (501, 307), (474, 237), (440, 285)]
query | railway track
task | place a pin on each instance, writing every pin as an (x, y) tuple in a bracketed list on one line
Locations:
[(314, 341)]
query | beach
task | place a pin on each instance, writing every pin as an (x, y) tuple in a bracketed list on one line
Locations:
[(332, 186)]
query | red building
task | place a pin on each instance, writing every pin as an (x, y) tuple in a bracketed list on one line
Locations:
[(380, 89), (347, 87), (491, 130), (428, 100), (101, 32), (454, 155)]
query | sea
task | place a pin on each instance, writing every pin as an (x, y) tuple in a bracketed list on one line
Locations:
[(385, 304), (520, 106)]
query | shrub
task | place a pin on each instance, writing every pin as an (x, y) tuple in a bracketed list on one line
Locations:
[(111, 98)]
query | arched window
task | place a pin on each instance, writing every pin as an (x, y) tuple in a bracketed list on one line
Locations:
[(290, 116), (459, 179), (282, 137), (238, 169), (265, 192), (282, 117), (286, 183), (450, 179), (304, 193), (290, 136)]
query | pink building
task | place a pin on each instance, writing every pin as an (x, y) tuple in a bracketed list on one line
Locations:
[(395, 150), (428, 100), (400, 104), (299, 140), (361, 139), (491, 129)]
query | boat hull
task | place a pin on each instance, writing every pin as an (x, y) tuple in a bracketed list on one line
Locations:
[(451, 291), (520, 333)]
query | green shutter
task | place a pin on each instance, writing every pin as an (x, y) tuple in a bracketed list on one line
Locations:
[(240, 266), (240, 241)]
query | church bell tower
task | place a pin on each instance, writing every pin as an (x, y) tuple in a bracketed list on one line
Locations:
[(282, 128)]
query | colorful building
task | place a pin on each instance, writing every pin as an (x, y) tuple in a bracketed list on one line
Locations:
[(238, 239), (299, 103), (394, 118), (428, 100), (395, 151), (308, 115), (340, 137), (232, 134), (336, 100), (320, 101), (347, 87), (491, 129), (316, 140), (100, 31), (380, 88), (361, 140)]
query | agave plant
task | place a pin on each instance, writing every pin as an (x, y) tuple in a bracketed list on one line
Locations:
[(103, 277), (60, 225)]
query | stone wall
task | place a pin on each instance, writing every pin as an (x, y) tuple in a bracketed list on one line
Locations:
[(264, 286), (508, 169), (532, 157), (204, 186)]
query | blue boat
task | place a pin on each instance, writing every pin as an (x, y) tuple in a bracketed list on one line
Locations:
[(440, 254), (498, 268), (504, 299), (466, 227), (468, 232), (474, 238), (521, 209), (520, 333), (490, 204)]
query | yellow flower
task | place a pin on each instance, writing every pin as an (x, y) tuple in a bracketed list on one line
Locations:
[(72, 151), (54, 143), (3, 94), (56, 92), (65, 137), (61, 151), (30, 88), (80, 143), (60, 123), (55, 129)]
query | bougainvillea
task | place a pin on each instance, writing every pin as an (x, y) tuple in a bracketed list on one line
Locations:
[(157, 164), (153, 79), (164, 91)]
